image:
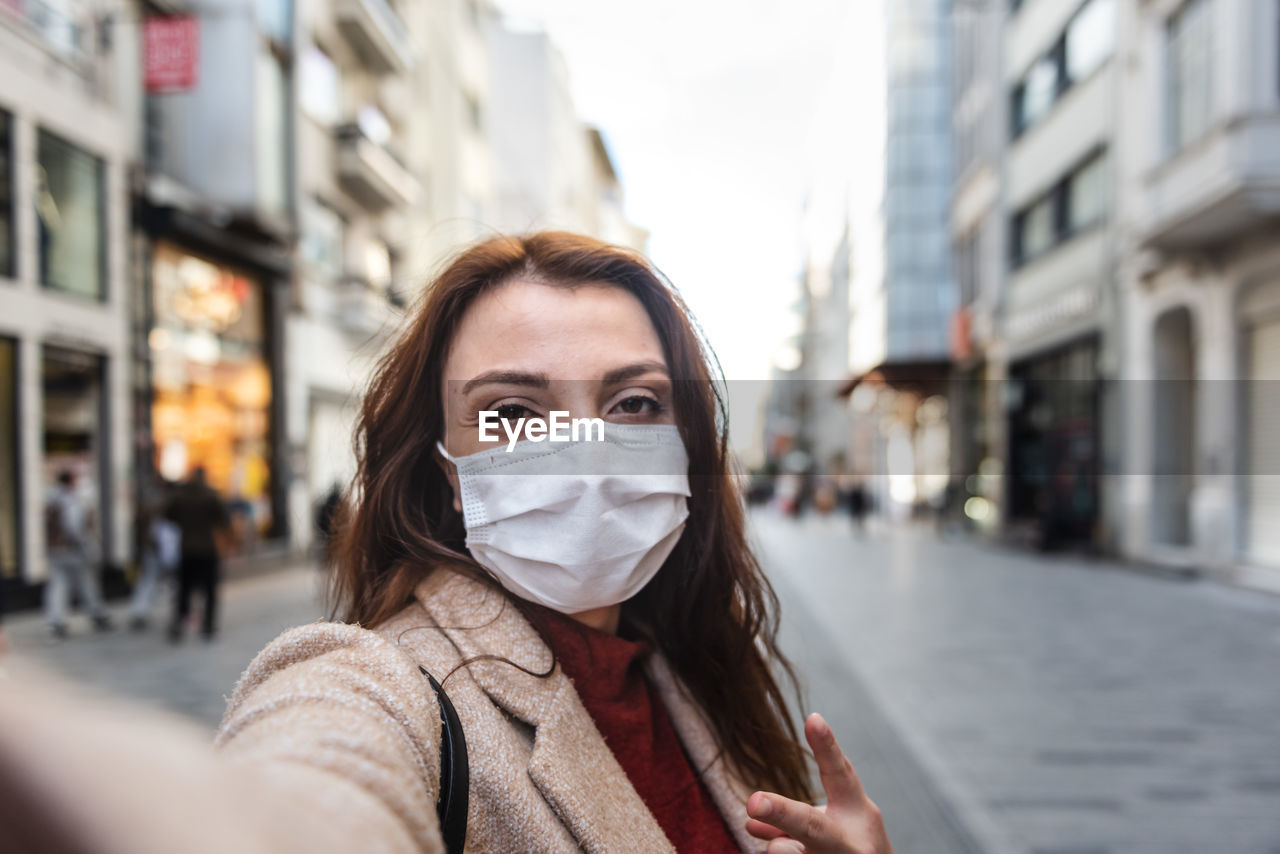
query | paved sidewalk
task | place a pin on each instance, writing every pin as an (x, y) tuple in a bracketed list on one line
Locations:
[(192, 679), (1063, 706)]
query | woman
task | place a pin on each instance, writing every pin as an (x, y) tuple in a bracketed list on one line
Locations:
[(590, 608)]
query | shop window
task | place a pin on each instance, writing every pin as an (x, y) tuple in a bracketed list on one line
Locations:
[(6, 196), (9, 526), (212, 382), (71, 218), (1190, 73)]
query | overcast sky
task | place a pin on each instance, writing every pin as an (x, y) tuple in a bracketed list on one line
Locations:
[(709, 109)]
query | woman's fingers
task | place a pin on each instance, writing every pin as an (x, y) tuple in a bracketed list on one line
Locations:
[(757, 828), (844, 789), (803, 822), (760, 830)]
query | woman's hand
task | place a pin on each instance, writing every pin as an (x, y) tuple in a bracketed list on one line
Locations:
[(849, 823)]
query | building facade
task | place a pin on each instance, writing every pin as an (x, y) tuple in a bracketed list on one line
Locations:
[(355, 198), (201, 267), (1059, 320), (902, 292), (978, 435), (65, 355), (550, 171), (1202, 121), (213, 268)]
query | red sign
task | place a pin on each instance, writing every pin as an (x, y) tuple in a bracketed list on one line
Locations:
[(171, 52)]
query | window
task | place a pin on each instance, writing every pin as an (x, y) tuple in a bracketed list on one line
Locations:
[(1190, 73), (1087, 195), (1035, 94), (275, 20), (377, 265), (1090, 37), (272, 133), (1085, 44), (373, 124), (6, 196), (1075, 202), (1034, 231), (320, 86), (323, 237), (213, 379), (71, 218)]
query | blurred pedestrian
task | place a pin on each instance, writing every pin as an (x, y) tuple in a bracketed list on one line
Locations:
[(327, 518), (203, 523), (70, 537), (856, 499), (159, 543)]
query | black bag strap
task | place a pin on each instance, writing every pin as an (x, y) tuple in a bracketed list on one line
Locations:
[(454, 779)]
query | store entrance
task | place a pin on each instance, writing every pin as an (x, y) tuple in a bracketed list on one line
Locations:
[(1053, 445), (212, 384), (9, 525), (72, 422)]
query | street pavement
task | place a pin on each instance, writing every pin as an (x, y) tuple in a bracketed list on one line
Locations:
[(992, 701), (192, 679), (1056, 705)]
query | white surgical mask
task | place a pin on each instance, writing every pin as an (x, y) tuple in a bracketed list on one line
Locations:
[(576, 525)]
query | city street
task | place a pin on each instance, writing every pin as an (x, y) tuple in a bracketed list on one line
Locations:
[(1059, 706), (992, 701)]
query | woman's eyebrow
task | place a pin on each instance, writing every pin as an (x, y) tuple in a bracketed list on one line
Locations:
[(623, 374), (507, 378)]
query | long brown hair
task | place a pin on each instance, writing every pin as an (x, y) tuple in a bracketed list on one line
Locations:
[(709, 610)]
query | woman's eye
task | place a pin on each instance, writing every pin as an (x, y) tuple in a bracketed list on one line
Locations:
[(512, 412), (639, 404)]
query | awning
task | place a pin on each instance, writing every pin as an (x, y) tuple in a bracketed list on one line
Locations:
[(927, 377)]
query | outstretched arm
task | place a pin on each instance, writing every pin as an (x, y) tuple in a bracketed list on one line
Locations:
[(320, 752)]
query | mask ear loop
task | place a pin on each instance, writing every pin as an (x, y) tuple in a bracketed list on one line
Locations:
[(445, 454)]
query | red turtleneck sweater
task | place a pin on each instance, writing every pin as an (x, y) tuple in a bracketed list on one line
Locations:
[(608, 674)]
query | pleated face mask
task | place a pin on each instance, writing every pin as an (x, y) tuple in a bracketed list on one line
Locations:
[(577, 525)]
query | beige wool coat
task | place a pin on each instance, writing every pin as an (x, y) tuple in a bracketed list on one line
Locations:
[(351, 707)]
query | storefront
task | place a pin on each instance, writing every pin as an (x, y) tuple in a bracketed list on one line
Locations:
[(10, 525), (73, 427), (212, 383), (1053, 402)]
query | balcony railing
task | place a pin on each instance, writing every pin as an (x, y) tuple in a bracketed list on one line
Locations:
[(1221, 186), (376, 33), (362, 309), (370, 173)]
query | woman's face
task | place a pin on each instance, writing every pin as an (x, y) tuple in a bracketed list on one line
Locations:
[(525, 349)]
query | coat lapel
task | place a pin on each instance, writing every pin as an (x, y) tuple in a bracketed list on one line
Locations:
[(578, 775), (727, 791), (571, 765)]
